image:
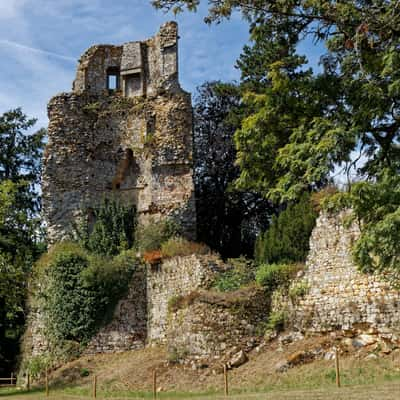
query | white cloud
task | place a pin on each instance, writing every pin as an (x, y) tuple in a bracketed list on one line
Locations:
[(31, 84), (35, 50), (11, 8)]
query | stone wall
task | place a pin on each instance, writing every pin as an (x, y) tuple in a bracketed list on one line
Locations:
[(339, 296), (177, 276), (136, 147), (151, 65), (127, 329), (142, 315), (208, 327)]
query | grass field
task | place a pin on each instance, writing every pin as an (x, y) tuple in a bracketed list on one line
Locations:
[(387, 391)]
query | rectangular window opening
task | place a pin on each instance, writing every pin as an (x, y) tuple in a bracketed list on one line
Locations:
[(112, 82)]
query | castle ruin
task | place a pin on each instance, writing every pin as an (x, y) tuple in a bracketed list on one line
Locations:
[(125, 131)]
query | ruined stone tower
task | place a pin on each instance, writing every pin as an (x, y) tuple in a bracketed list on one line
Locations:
[(125, 130)]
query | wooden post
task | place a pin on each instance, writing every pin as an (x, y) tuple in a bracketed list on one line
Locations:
[(94, 386), (28, 382), (226, 389), (47, 382), (12, 378), (155, 384), (337, 367)]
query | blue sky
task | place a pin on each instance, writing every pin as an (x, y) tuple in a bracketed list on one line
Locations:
[(41, 41)]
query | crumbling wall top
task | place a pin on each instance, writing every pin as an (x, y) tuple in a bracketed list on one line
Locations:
[(144, 68)]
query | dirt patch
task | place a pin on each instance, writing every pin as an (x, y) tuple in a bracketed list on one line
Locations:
[(133, 371)]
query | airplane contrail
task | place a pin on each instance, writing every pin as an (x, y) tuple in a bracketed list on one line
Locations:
[(35, 50)]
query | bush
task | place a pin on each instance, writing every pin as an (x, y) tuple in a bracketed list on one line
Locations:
[(287, 239), (108, 229), (80, 288), (70, 304), (241, 273), (151, 236), (299, 290), (36, 366), (276, 321), (272, 276), (178, 246)]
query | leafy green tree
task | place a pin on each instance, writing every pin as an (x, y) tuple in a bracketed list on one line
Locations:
[(20, 166), (354, 103), (287, 238), (301, 124), (12, 297), (227, 220), (376, 205)]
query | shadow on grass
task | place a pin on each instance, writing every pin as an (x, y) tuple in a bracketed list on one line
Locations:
[(19, 392)]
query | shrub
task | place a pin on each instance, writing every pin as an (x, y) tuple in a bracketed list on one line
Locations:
[(241, 273), (287, 239), (178, 246), (80, 287), (272, 276), (298, 290), (108, 229), (84, 372), (276, 321), (37, 365), (70, 305), (152, 235)]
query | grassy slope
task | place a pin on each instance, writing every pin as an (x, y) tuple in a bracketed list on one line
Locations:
[(130, 374)]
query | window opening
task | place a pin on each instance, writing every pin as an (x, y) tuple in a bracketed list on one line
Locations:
[(113, 78)]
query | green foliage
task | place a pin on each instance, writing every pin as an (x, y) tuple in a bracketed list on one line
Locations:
[(20, 169), (173, 303), (227, 220), (20, 229), (299, 290), (84, 372), (178, 246), (241, 273), (299, 125), (377, 205), (70, 303), (36, 366), (272, 276), (276, 321), (152, 235), (92, 107), (287, 239), (12, 298), (80, 287), (108, 229)]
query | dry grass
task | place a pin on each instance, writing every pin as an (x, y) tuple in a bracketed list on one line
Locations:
[(153, 256), (130, 375), (178, 246)]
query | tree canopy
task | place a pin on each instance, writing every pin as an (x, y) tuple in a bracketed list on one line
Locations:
[(20, 167), (228, 220), (299, 125), (319, 118)]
